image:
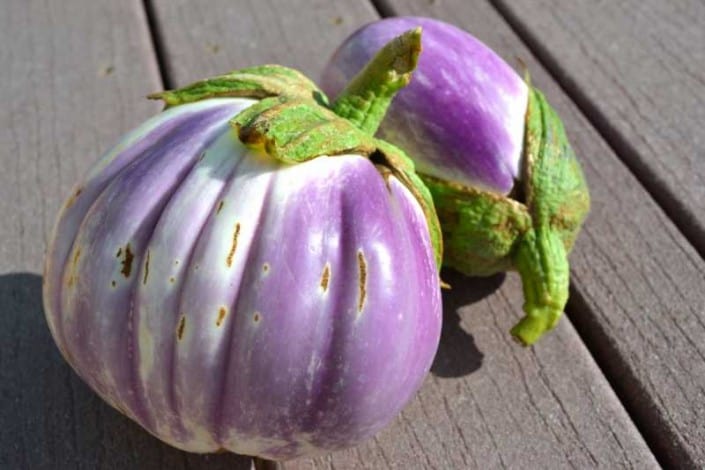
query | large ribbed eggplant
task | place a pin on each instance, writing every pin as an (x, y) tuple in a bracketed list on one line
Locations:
[(279, 298), (508, 189)]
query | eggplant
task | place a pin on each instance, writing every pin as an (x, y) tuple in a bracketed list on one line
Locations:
[(508, 189), (247, 271)]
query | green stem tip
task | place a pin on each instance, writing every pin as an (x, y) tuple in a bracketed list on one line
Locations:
[(542, 263), (365, 99)]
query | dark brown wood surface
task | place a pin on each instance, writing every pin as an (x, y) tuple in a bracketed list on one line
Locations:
[(74, 74)]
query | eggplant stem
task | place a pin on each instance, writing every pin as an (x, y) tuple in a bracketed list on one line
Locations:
[(542, 262), (365, 99)]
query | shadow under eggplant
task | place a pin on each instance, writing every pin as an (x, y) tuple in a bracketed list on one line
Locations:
[(458, 354)]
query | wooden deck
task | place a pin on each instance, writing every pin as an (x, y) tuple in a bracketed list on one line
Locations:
[(620, 383)]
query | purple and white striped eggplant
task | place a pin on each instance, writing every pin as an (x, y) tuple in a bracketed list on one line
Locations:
[(279, 299), (507, 187)]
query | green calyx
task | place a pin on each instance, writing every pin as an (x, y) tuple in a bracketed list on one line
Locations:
[(365, 99), (293, 123), (257, 82), (485, 233)]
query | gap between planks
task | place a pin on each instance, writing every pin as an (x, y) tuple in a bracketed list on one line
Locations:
[(157, 38)]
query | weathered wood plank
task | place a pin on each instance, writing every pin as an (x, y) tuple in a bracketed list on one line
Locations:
[(73, 76), (638, 70), (489, 402), (639, 287), (225, 36)]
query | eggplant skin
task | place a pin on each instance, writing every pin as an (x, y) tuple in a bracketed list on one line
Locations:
[(462, 116), (224, 300)]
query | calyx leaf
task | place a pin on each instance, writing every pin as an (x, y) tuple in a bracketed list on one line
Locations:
[(294, 131), (257, 82), (485, 233)]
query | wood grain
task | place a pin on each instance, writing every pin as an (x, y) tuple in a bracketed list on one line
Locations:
[(488, 403), (74, 74), (637, 68), (638, 286), (204, 41)]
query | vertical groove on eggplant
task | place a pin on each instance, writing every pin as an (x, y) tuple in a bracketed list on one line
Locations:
[(221, 388), (188, 269)]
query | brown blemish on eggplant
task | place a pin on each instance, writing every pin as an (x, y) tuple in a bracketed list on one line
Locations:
[(74, 267), (362, 280), (220, 207), (181, 327), (126, 261), (172, 279), (256, 317), (113, 283), (325, 277), (74, 196), (265, 267), (222, 311), (236, 233), (146, 268)]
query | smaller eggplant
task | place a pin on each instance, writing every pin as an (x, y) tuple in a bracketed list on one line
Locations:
[(507, 187)]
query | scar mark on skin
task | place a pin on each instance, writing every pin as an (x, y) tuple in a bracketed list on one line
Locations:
[(220, 207), (146, 268), (172, 280), (362, 267), (256, 317), (126, 261), (180, 328), (221, 315), (74, 196), (325, 277), (236, 233), (265, 267), (74, 267)]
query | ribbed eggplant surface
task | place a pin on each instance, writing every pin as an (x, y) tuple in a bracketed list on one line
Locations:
[(225, 300)]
